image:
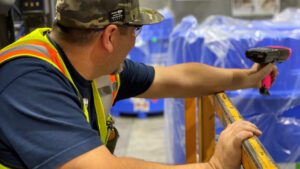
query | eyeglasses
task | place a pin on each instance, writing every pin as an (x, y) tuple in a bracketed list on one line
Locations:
[(137, 30)]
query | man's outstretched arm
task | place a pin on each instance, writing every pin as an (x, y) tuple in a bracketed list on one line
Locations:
[(196, 79), (227, 154), (101, 158)]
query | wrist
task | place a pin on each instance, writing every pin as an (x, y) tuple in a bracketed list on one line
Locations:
[(240, 79), (214, 163)]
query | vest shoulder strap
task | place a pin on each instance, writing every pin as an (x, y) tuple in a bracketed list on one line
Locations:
[(38, 50)]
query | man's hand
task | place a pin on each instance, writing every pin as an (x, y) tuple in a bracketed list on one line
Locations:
[(228, 150), (257, 73)]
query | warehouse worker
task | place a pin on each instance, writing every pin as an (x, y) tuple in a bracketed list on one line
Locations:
[(53, 115)]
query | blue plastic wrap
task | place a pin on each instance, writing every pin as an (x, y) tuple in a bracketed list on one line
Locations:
[(151, 47), (152, 44), (222, 41)]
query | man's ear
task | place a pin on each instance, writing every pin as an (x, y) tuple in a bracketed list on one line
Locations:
[(108, 36)]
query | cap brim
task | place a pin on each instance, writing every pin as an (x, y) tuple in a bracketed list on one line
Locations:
[(146, 17)]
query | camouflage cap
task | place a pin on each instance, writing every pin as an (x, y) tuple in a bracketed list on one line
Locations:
[(90, 14)]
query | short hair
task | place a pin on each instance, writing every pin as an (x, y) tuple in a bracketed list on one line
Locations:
[(75, 35)]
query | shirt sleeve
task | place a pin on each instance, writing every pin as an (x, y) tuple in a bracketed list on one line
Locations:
[(135, 78), (42, 121)]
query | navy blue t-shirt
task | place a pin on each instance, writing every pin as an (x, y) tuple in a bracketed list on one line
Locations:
[(42, 123)]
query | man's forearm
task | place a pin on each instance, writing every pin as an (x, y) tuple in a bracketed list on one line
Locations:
[(101, 158), (194, 79), (131, 163), (204, 79)]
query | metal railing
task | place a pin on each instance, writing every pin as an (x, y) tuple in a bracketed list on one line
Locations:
[(200, 133)]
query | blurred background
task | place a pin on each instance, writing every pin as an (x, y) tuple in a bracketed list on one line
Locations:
[(214, 32)]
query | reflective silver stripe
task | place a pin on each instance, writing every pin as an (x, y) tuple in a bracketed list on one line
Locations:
[(115, 86), (106, 89), (37, 48), (103, 81)]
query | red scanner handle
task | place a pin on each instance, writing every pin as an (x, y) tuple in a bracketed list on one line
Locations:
[(266, 85)]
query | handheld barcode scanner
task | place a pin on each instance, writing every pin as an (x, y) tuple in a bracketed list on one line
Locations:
[(266, 55)]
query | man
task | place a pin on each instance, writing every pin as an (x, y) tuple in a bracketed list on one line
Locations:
[(51, 113)]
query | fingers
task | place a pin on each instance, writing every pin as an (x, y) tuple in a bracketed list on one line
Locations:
[(241, 136), (275, 71), (264, 71), (260, 72), (241, 130), (251, 128), (242, 125), (274, 74)]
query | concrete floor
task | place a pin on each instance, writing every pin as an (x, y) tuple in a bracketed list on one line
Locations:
[(141, 138)]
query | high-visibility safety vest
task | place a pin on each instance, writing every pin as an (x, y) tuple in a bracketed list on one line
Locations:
[(37, 45)]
